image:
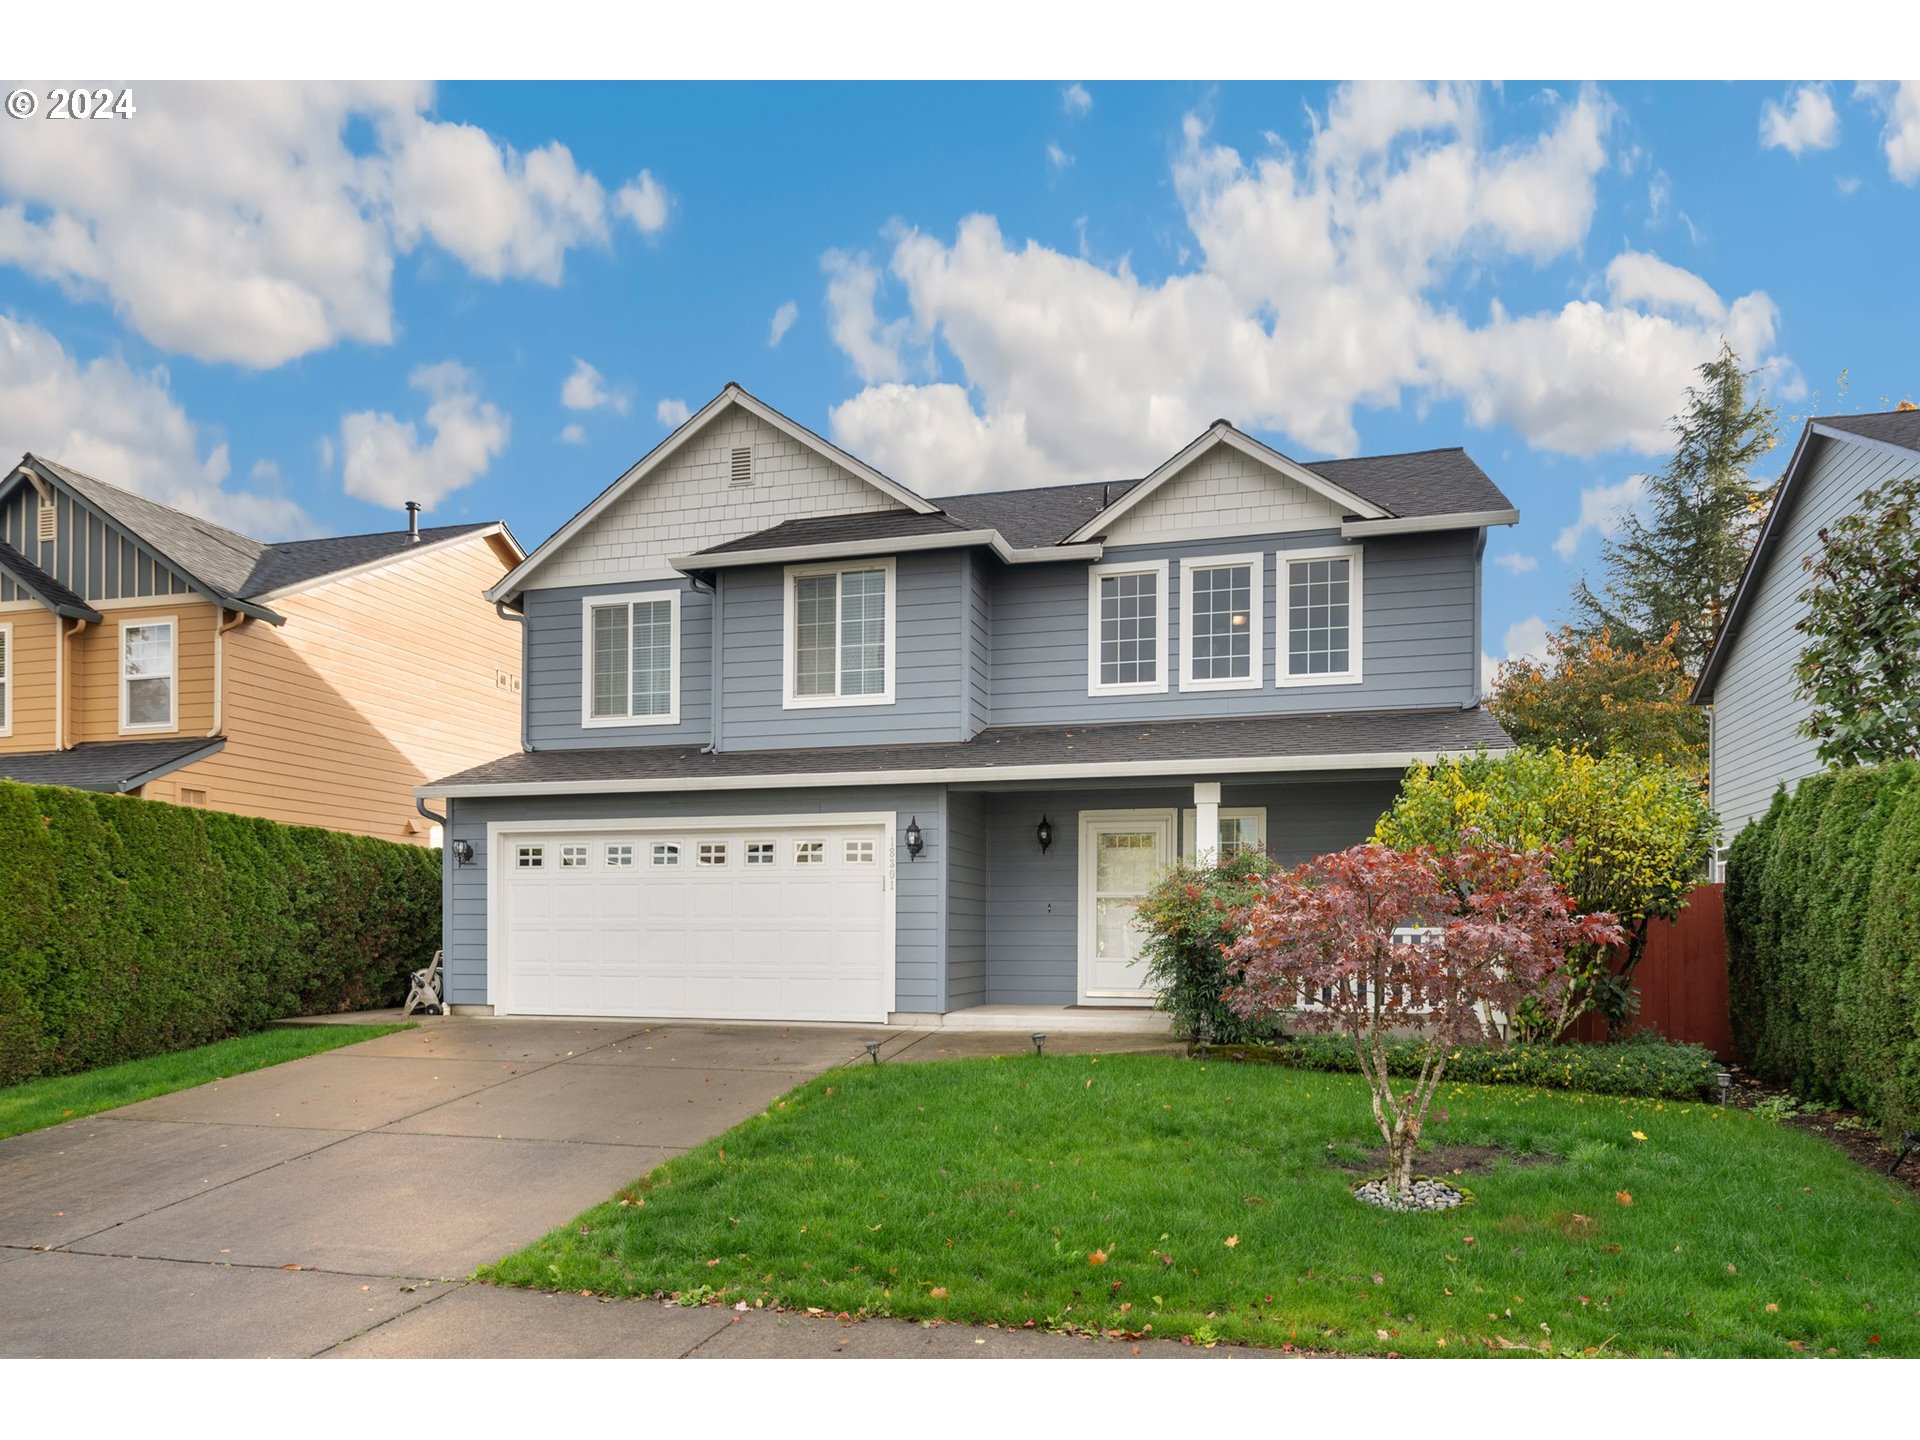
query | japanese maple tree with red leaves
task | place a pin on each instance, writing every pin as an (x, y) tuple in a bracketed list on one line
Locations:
[(1493, 928)]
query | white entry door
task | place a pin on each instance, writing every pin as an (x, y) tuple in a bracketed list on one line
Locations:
[(721, 920), (1122, 854)]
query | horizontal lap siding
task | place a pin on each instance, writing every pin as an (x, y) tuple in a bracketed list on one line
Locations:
[(919, 937), (93, 674), (929, 661), (1418, 636), (979, 645), (556, 674), (1033, 915), (30, 678), (966, 900), (1757, 710)]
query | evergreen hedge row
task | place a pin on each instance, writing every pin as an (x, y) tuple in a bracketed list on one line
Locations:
[(131, 928), (1823, 936), (1639, 1065)]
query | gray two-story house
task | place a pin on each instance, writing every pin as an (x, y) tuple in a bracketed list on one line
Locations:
[(801, 744)]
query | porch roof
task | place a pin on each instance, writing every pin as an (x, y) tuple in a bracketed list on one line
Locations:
[(1349, 740)]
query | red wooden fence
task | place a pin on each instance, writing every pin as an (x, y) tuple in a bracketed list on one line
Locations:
[(1682, 978)]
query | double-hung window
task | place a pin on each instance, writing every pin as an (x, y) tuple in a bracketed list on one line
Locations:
[(1221, 600), (838, 639), (1319, 632), (632, 650), (147, 674), (1127, 628)]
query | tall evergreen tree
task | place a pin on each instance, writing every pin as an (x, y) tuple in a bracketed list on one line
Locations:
[(1675, 572)]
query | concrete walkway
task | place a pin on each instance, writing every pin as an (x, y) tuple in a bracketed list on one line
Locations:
[(334, 1205)]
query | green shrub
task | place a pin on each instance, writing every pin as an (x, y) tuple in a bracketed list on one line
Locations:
[(133, 928), (1187, 918), (1823, 941), (1638, 1065)]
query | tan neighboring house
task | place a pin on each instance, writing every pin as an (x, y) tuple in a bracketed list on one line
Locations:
[(145, 651)]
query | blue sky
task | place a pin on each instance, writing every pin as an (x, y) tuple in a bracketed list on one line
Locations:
[(294, 308)]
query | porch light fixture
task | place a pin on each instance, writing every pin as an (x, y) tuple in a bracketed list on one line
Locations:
[(1039, 1042), (1044, 834), (873, 1049), (916, 842), (463, 851), (1724, 1079)]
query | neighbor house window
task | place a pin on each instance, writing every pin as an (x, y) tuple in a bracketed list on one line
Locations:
[(632, 649), (1221, 601), (1241, 832), (147, 674), (1127, 629), (838, 644), (1319, 631), (6, 679)]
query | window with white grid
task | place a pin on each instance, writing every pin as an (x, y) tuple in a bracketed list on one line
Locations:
[(838, 647), (530, 857), (1221, 603), (1127, 628), (1319, 637), (619, 857), (147, 675), (573, 857), (760, 852), (632, 659), (713, 852), (809, 852), (666, 854), (858, 852)]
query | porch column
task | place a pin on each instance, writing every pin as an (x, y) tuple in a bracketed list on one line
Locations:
[(1206, 822)]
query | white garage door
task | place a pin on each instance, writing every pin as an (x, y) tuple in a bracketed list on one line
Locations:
[(769, 922)]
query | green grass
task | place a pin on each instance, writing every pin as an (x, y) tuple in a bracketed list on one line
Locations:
[(987, 1190), (40, 1103)]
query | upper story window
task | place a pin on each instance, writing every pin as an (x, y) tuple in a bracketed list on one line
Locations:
[(1127, 628), (632, 654), (1319, 632), (1221, 600), (147, 674), (6, 679), (837, 644)]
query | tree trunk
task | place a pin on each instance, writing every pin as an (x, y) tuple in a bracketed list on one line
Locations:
[(1400, 1152)]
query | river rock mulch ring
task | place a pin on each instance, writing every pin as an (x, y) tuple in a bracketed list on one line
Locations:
[(1425, 1193)]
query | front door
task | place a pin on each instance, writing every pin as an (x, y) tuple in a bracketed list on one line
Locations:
[(1122, 854)]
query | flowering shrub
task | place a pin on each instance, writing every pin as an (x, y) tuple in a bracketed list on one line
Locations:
[(1501, 928), (1189, 920)]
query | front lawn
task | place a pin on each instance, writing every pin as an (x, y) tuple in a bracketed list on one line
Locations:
[(40, 1103), (1144, 1194)]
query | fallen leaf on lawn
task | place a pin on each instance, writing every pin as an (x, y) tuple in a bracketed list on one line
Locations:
[(1381, 1335), (1730, 1269), (939, 1292), (1639, 1134), (1232, 1241), (1098, 1257), (1625, 1197), (1772, 1309), (712, 1263), (1466, 1240), (1378, 1278)]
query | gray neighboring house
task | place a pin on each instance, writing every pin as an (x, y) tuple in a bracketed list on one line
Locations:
[(1755, 742), (801, 744)]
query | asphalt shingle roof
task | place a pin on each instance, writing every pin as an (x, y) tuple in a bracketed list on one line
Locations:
[(40, 581), (113, 766), (838, 529), (1301, 736), (1029, 519), (298, 562), (1893, 427)]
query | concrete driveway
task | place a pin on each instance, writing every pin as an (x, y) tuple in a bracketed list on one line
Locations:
[(334, 1205)]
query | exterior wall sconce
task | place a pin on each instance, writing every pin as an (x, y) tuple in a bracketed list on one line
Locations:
[(916, 842), (1044, 834), (463, 851)]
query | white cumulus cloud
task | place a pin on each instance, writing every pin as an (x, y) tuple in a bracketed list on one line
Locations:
[(1807, 121), (1515, 563), (671, 413), (643, 201), (782, 322), (1075, 100), (573, 435), (240, 223), (1901, 138), (1319, 285), (384, 459), (1601, 509), (124, 426), (585, 388), (1057, 158)]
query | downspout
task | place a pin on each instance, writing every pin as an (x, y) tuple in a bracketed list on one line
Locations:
[(500, 609), (714, 649), (440, 820), (219, 664), (61, 636)]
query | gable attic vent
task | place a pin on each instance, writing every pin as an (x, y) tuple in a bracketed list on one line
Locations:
[(742, 473), (47, 517)]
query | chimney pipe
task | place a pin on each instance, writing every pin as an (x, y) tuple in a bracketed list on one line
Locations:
[(413, 521)]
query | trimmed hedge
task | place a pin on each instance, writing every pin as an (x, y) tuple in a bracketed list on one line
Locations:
[(1823, 941), (1634, 1066), (133, 928)]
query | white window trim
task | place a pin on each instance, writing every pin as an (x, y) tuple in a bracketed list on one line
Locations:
[(590, 603), (172, 722), (789, 621), (1097, 573), (1256, 676), (1190, 819), (1283, 627), (6, 679)]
